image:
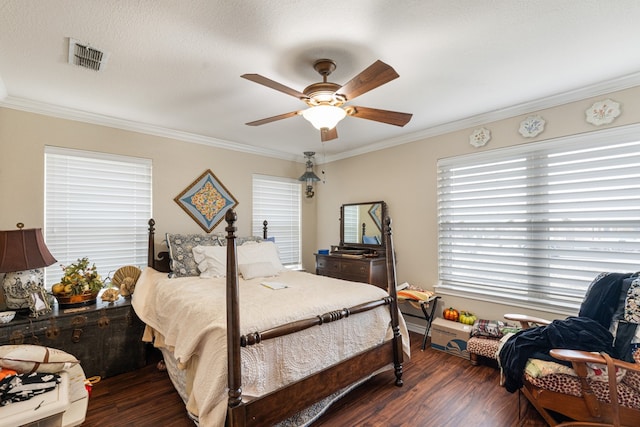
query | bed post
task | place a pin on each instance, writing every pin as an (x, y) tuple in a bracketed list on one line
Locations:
[(393, 307), (264, 229), (161, 263), (233, 316), (152, 246)]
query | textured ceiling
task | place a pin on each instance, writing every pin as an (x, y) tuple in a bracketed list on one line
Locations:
[(174, 67)]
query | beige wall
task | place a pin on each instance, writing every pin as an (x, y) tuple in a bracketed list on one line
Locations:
[(405, 177), (176, 164)]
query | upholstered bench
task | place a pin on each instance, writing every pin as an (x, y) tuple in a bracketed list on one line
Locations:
[(482, 346), (486, 334)]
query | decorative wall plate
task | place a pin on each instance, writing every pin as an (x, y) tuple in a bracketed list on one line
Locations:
[(480, 137), (206, 200), (531, 126), (603, 112)]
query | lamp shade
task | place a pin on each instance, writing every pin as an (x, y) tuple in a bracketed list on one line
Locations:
[(309, 176), (23, 250), (324, 116)]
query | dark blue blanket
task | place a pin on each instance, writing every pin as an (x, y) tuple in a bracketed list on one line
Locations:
[(573, 333), (603, 298)]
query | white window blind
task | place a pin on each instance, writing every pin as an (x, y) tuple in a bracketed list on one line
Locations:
[(277, 200), (351, 218), (97, 206), (533, 225)]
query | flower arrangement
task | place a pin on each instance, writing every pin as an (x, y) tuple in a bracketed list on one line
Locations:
[(79, 278)]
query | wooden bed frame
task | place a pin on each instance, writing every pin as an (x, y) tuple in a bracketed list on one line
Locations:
[(285, 402)]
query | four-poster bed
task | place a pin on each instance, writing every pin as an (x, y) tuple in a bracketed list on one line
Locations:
[(323, 350)]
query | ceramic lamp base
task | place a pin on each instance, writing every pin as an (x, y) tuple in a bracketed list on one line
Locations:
[(19, 286)]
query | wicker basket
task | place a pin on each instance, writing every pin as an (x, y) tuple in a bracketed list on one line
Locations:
[(86, 298)]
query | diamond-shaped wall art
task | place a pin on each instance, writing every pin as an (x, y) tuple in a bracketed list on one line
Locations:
[(206, 200)]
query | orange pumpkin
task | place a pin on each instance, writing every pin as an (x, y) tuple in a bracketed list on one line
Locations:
[(451, 314)]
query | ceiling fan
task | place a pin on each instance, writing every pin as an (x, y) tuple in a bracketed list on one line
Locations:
[(327, 100)]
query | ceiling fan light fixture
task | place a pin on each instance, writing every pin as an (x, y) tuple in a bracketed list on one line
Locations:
[(324, 116), (326, 100)]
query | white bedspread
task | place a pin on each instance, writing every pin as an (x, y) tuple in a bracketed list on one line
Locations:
[(188, 316)]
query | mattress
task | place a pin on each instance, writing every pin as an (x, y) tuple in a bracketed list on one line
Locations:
[(187, 316)]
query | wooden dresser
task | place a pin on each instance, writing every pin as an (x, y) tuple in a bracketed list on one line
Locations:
[(354, 268)]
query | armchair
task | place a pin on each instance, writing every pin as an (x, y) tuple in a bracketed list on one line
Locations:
[(580, 392), (614, 413)]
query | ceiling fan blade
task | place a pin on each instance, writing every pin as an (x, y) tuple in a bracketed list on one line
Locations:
[(375, 75), (257, 78), (273, 119), (384, 116), (328, 134)]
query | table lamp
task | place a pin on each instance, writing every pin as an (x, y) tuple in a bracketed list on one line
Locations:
[(23, 255)]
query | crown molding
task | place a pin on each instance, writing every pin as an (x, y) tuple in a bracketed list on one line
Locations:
[(51, 110), (598, 89), (606, 87)]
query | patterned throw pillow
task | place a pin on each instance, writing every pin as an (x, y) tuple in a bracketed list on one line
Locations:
[(632, 303), (241, 240), (492, 328), (632, 379), (181, 252)]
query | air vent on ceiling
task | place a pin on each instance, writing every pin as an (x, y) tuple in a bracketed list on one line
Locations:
[(82, 55)]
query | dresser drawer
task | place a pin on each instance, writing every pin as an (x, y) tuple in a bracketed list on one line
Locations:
[(353, 268), (365, 270), (329, 264)]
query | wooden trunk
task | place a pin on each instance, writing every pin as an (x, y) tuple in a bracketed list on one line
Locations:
[(105, 337)]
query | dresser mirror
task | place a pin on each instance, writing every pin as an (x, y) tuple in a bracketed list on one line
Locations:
[(362, 224)]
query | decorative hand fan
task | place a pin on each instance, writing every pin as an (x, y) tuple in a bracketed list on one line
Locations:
[(125, 279)]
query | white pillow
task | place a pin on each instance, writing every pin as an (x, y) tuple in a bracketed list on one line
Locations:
[(257, 269), (212, 260), (260, 252), (27, 358)]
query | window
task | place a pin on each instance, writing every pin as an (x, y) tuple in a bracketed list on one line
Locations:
[(533, 225), (96, 206), (277, 200)]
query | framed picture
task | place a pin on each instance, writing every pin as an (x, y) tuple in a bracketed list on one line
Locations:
[(38, 303), (206, 200)]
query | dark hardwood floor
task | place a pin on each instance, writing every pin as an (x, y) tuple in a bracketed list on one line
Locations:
[(439, 390)]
